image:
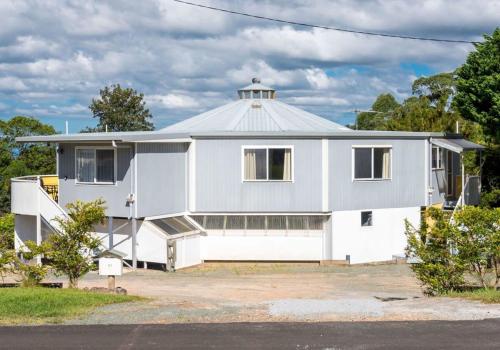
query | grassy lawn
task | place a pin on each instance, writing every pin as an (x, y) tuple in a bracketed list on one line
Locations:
[(489, 296), (45, 305)]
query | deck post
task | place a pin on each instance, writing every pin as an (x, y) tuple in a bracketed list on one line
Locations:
[(110, 232), (462, 201), (38, 236), (38, 223), (134, 243)]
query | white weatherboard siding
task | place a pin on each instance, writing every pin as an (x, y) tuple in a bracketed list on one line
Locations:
[(25, 229), (371, 243), (260, 247), (188, 252), (219, 186), (151, 243)]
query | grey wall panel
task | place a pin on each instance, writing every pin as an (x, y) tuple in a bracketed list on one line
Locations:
[(114, 195), (161, 178), (405, 189), (219, 185)]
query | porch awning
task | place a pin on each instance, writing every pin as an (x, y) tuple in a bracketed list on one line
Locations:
[(456, 145)]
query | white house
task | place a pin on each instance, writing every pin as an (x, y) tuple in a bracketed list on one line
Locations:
[(253, 180)]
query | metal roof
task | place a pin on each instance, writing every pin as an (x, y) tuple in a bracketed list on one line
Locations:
[(251, 115), (457, 145), (254, 117), (256, 86)]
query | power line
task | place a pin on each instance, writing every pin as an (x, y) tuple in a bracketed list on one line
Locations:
[(325, 27)]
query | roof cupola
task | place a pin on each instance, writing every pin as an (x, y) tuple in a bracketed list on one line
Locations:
[(257, 91)]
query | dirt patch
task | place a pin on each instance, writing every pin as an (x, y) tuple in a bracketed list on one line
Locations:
[(279, 292)]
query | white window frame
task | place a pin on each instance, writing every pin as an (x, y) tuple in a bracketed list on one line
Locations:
[(267, 148), (95, 182), (353, 159), (439, 158)]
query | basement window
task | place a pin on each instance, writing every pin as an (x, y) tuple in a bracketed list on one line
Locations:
[(95, 165), (267, 163), (366, 218)]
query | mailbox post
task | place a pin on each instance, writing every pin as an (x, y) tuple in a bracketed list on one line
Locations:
[(111, 265)]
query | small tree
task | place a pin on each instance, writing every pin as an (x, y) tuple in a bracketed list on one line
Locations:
[(31, 273), (73, 247), (439, 269), (478, 242)]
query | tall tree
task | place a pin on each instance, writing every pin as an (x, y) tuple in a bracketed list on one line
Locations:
[(121, 109), (478, 86), (22, 159), (376, 119), (429, 107)]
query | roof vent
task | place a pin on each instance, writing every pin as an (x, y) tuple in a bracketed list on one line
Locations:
[(256, 91)]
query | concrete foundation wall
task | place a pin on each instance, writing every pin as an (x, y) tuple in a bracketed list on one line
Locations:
[(378, 242), (296, 247)]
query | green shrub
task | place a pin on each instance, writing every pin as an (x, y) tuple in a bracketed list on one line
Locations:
[(6, 232), (438, 269), (447, 250), (30, 272), (478, 243), (491, 199)]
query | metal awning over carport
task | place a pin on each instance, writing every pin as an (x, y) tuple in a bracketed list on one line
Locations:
[(456, 145)]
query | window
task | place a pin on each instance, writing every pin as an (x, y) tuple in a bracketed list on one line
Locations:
[(437, 158), (267, 164), (372, 163), (95, 165), (254, 222), (366, 218)]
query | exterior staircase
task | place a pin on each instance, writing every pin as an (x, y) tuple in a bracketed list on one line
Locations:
[(29, 197)]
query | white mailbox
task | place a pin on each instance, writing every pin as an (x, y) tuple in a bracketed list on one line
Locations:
[(110, 266)]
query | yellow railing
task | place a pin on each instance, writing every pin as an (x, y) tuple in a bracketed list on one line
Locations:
[(50, 183)]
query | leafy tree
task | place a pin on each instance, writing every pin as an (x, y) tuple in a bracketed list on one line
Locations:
[(478, 242), (6, 232), (73, 246), (7, 254), (491, 199), (478, 86), (22, 159), (383, 106), (437, 88), (438, 269), (120, 110)]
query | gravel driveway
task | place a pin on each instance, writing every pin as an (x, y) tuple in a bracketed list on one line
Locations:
[(279, 292)]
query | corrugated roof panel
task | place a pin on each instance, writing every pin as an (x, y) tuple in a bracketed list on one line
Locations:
[(244, 115)]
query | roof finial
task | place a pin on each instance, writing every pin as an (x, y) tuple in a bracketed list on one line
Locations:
[(255, 81)]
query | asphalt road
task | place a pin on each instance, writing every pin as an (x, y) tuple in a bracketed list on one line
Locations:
[(333, 335)]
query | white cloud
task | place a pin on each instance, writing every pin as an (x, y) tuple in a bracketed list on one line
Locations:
[(186, 59), (172, 101)]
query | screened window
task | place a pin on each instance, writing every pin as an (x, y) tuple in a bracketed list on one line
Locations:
[(95, 165), (273, 164), (255, 222), (437, 158), (372, 163), (366, 218)]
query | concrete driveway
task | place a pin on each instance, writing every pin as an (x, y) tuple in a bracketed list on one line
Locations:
[(280, 292)]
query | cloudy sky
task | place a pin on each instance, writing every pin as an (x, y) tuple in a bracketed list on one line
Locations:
[(56, 55)]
